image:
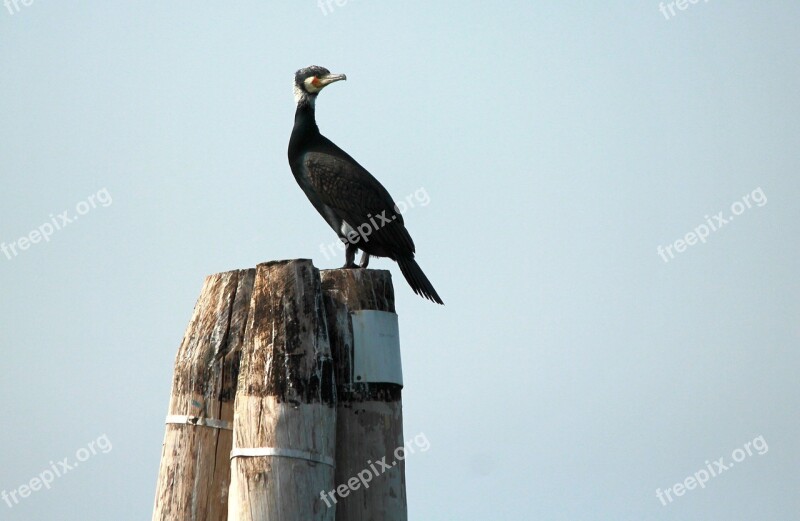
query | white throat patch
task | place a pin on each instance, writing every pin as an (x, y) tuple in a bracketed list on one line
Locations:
[(300, 95)]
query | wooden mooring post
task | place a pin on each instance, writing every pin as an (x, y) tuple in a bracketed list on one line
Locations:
[(369, 413), (285, 416), (195, 469), (285, 396)]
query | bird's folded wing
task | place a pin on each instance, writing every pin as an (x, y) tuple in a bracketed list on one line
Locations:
[(351, 191)]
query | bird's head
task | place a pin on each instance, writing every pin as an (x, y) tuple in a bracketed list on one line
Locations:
[(309, 81)]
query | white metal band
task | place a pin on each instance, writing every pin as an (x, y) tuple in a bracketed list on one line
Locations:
[(284, 453), (198, 420)]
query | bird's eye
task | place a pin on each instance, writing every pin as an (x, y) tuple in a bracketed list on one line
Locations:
[(315, 81)]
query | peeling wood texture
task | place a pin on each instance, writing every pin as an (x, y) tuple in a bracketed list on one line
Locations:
[(369, 419), (194, 473), (269, 351), (285, 399)]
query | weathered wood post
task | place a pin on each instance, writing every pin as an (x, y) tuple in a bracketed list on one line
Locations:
[(254, 432), (370, 478), (284, 420), (194, 474)]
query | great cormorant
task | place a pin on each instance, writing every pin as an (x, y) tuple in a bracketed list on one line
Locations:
[(350, 199)]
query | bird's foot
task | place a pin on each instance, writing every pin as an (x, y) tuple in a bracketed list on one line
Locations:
[(350, 266), (364, 260)]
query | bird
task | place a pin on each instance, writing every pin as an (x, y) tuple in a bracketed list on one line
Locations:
[(352, 202)]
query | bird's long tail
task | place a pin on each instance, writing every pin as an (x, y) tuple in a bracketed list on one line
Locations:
[(417, 279)]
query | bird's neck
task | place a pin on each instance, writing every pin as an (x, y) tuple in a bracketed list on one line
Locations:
[(305, 131), (304, 118)]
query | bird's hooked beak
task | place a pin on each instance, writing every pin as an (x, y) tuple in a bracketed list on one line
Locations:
[(330, 78), (317, 83)]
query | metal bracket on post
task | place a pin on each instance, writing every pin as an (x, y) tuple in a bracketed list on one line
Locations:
[(376, 347)]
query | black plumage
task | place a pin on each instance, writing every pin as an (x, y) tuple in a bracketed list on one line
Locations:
[(357, 207)]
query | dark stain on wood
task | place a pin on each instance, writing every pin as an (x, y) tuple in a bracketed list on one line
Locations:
[(287, 352)]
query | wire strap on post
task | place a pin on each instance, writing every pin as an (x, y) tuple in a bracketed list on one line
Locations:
[(212, 423), (283, 453)]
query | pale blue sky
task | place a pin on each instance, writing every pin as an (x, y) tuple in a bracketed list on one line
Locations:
[(572, 373)]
